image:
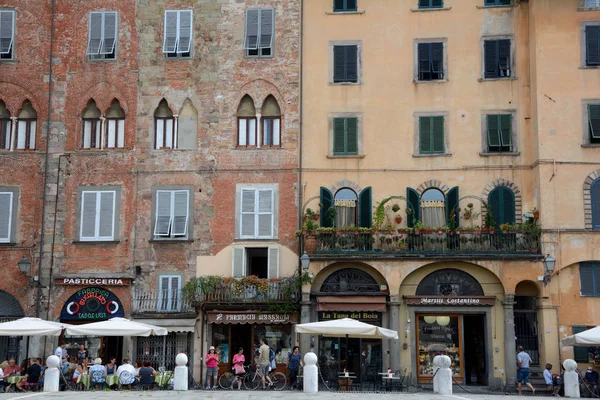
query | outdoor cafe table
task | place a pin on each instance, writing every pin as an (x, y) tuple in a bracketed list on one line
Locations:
[(15, 379), (390, 380), (84, 379), (345, 386), (112, 380)]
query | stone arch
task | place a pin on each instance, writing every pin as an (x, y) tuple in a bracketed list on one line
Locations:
[(345, 183), (270, 107), (163, 109), (527, 288), (115, 110), (259, 90), (246, 107), (516, 192), (11, 308), (449, 282), (15, 92), (587, 197), (332, 269), (432, 183), (104, 94), (91, 110)]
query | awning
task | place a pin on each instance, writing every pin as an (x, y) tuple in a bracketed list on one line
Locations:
[(172, 325), (250, 317), (351, 303)]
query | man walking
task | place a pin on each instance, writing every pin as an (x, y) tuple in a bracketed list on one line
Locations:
[(523, 361), (264, 362), (61, 353)]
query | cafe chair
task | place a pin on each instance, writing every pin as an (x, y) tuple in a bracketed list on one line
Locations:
[(126, 379), (98, 380)]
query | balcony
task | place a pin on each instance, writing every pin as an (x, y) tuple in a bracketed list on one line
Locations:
[(161, 302), (245, 290)]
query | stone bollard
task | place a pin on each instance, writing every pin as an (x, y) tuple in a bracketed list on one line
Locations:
[(52, 374), (442, 380), (180, 381), (311, 373), (571, 379)]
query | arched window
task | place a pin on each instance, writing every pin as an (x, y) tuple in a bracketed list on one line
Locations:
[(5, 127), (433, 208), (350, 280), (449, 282), (187, 126), (501, 201), (115, 126), (246, 114), (595, 200), (91, 137), (271, 123), (26, 126), (164, 126), (345, 202)]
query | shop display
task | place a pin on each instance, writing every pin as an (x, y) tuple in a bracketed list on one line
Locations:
[(439, 335)]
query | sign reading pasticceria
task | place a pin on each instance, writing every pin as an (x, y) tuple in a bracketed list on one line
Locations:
[(450, 301), (250, 317), (92, 304), (372, 317), (94, 281)]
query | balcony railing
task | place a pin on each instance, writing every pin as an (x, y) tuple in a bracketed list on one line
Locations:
[(427, 243), (273, 291), (159, 302)]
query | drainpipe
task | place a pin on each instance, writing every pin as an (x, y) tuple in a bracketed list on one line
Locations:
[(300, 185)]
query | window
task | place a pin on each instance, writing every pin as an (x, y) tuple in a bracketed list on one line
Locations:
[(430, 61), (8, 214), (497, 2), (258, 38), (595, 203), (260, 261), (591, 3), (187, 126), (169, 293), (178, 33), (594, 122), (271, 123), (246, 122), (172, 213), (583, 354), (5, 127), (589, 274), (345, 136), (431, 135), (164, 127), (592, 45), (501, 201), (433, 207), (7, 34), (348, 207), (26, 127), (92, 136), (497, 61), (102, 35), (431, 3), (344, 5), (115, 126), (256, 213), (345, 64), (98, 213), (499, 133)]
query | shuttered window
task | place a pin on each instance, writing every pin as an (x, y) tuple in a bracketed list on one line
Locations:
[(345, 64), (344, 5), (595, 202), (251, 261), (592, 45), (256, 214), (5, 132), (172, 214), (431, 61), (502, 205), (102, 35), (7, 34), (6, 216), (431, 135), (497, 2), (259, 32), (271, 132), (499, 133), (345, 136), (591, 3), (115, 133), (177, 40), (169, 293), (497, 58), (26, 129), (246, 132), (589, 274), (97, 221), (91, 133), (594, 122), (431, 3)]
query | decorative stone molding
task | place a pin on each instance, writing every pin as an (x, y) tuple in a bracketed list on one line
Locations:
[(432, 184), (587, 197), (516, 191), (345, 184)]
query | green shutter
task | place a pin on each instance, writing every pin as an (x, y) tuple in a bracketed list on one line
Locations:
[(326, 204), (365, 213), (351, 135), (490, 58), (351, 64), (424, 135), (592, 43), (595, 200), (413, 201), (339, 64), (594, 120), (493, 131), (580, 354), (452, 204), (437, 134), (505, 129), (339, 146), (502, 204)]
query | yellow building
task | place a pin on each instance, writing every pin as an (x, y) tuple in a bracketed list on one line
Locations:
[(471, 115)]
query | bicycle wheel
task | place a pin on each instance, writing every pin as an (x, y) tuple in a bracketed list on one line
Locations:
[(252, 381), (225, 380), (279, 380)]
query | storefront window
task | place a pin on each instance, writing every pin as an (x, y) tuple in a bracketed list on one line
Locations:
[(439, 335), (278, 337), (221, 342)]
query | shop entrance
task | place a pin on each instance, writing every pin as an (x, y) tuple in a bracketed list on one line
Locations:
[(112, 346), (241, 336), (526, 326), (474, 350), (362, 357)]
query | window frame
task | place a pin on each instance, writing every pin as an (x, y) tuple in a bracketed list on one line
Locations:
[(246, 121), (28, 134), (174, 133), (346, 152), (95, 122), (512, 55), (13, 214), (118, 132), (271, 120), (583, 43), (274, 188), (416, 43), (243, 251), (176, 54), (10, 55), (115, 237), (586, 138), (584, 7), (173, 303), (260, 51), (595, 268), (359, 137), (430, 6), (359, 66), (190, 214), (100, 55), (345, 7), (416, 116), (513, 133), (5, 140), (497, 3)]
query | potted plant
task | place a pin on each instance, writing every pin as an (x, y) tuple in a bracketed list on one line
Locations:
[(504, 228), (489, 221), (535, 213), (397, 216), (418, 227), (309, 228)]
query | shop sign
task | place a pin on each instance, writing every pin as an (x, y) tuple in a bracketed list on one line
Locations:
[(363, 316), (224, 317), (450, 301), (94, 281), (92, 304)]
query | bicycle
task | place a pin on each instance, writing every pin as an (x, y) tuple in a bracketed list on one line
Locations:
[(226, 379), (253, 381)]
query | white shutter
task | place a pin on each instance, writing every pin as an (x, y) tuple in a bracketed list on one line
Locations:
[(160, 132), (88, 216), (185, 31), (97, 126), (242, 125), (266, 28), (163, 293), (180, 212), (7, 30), (6, 200), (252, 132), (265, 213), (239, 262), (106, 216), (169, 133), (252, 27), (110, 33), (162, 224), (248, 213), (276, 132), (32, 131), (121, 133), (94, 33), (273, 268), (21, 134), (174, 293), (87, 134), (111, 133), (170, 34)]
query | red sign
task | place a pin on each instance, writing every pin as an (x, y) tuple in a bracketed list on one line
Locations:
[(93, 281)]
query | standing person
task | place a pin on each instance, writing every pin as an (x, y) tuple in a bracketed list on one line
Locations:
[(82, 353), (61, 353), (238, 368), (294, 363), (264, 362), (212, 367), (523, 361)]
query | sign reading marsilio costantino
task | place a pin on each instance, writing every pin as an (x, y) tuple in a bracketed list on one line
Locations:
[(450, 301)]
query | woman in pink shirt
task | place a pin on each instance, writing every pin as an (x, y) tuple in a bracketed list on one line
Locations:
[(212, 367), (238, 368)]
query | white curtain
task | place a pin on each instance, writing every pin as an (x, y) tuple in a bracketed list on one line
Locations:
[(433, 213), (345, 213)]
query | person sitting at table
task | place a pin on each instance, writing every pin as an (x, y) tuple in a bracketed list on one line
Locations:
[(126, 373), (3, 383), (111, 367), (98, 373), (32, 376), (138, 365), (24, 365), (146, 374), (81, 369), (12, 368)]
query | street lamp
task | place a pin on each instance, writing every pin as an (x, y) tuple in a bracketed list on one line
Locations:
[(305, 261), (549, 263), (25, 267)]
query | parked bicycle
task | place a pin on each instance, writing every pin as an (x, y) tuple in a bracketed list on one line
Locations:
[(227, 378), (254, 380)]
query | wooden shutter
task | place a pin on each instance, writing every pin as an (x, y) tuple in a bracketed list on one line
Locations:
[(170, 33), (88, 215), (7, 24), (490, 59), (350, 5), (248, 213), (251, 35), (595, 200), (504, 57), (580, 354), (106, 219), (273, 267), (110, 33), (163, 221), (339, 135), (424, 135), (437, 134), (592, 45), (437, 60), (338, 5), (339, 64), (6, 200), (437, 3), (351, 61), (365, 208), (265, 213), (423, 50), (502, 205), (452, 199), (586, 276), (185, 31), (163, 293), (493, 131), (594, 120), (267, 18), (505, 130), (94, 33), (351, 135), (175, 289), (326, 204), (239, 263), (181, 208), (413, 201)]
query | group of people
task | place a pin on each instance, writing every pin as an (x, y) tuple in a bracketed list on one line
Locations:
[(265, 360), (31, 369)]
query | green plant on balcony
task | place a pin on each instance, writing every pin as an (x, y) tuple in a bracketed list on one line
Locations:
[(489, 222)]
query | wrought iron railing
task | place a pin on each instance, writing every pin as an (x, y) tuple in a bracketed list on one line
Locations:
[(161, 301), (240, 293)]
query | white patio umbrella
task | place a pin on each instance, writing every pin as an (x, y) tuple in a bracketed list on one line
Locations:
[(31, 327), (347, 327), (116, 327), (591, 337)]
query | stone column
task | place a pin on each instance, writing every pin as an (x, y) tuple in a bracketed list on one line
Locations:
[(305, 318), (510, 351), (395, 325)]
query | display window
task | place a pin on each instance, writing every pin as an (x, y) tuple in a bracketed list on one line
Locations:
[(439, 335)]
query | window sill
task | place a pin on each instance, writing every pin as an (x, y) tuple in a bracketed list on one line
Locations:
[(10, 244), (345, 83), (96, 241), (259, 57), (505, 154), (100, 151), (345, 12), (256, 240), (498, 6), (102, 60), (258, 148), (589, 67), (431, 81), (588, 8), (432, 155), (334, 156), (171, 240), (510, 78), (430, 9), (590, 145)]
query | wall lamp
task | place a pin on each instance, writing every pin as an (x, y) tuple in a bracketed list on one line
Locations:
[(305, 261), (549, 263), (25, 267)]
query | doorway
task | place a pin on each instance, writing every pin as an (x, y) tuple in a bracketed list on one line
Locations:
[(241, 336), (526, 326), (112, 346), (363, 358), (474, 350)]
